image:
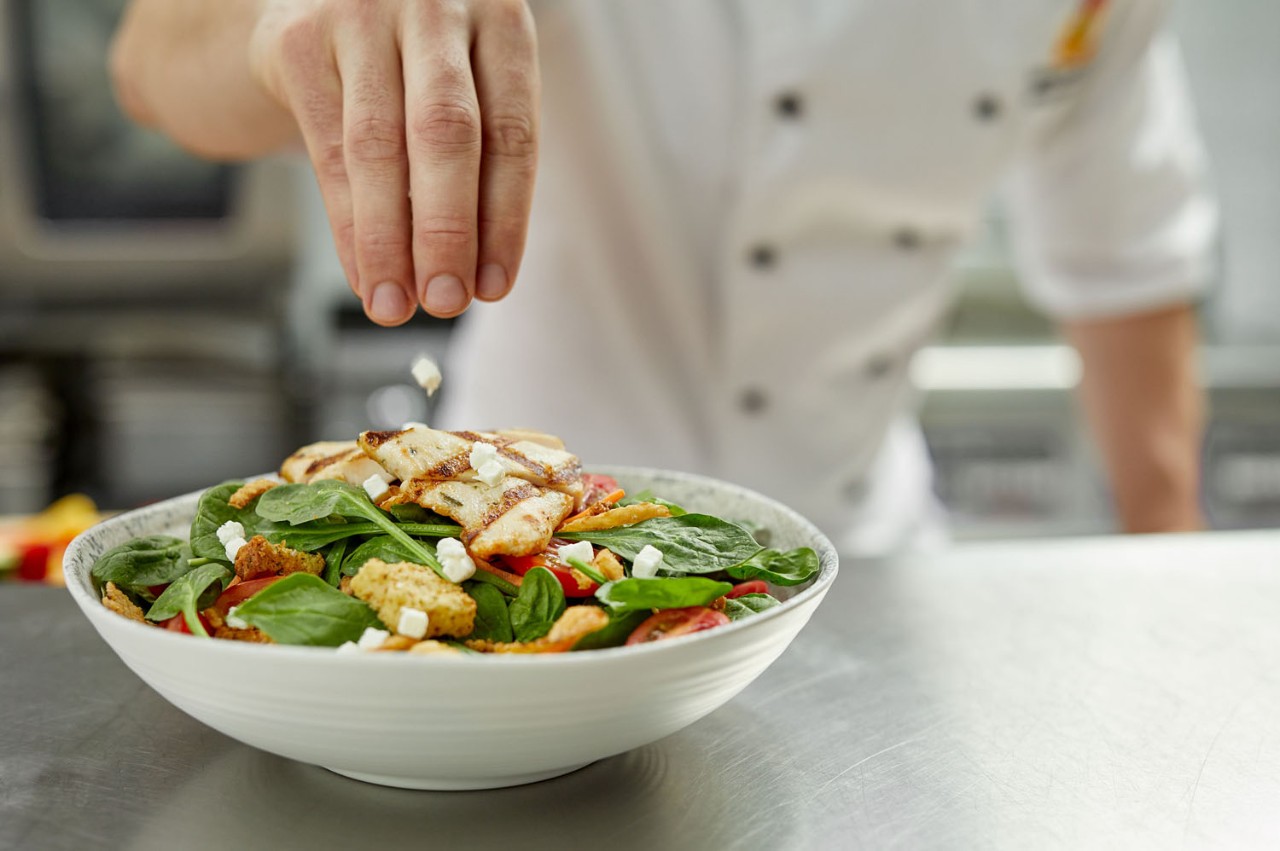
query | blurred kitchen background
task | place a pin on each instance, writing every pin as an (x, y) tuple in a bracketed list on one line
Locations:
[(158, 330)]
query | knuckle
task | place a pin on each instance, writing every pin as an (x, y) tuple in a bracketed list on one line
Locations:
[(446, 231), (330, 163), (382, 241), (300, 39), (376, 140), (448, 127), (511, 136)]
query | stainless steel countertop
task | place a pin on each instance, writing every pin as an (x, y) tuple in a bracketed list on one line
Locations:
[(1092, 693)]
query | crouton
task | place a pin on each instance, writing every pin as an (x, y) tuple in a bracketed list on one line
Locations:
[(252, 634), (627, 515), (259, 557), (432, 648), (609, 565), (576, 622), (249, 492), (118, 601), (388, 588)]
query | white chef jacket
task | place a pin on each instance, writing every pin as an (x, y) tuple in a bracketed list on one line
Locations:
[(746, 212)]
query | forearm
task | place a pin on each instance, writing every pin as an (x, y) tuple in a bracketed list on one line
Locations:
[(1142, 396), (183, 67)]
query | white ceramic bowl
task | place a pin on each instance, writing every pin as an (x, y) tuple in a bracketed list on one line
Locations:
[(458, 722)]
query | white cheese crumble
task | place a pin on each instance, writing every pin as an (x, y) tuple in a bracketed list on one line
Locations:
[(491, 472), (372, 639), (233, 546), (234, 621), (582, 551), (646, 563), (458, 566), (348, 647), (229, 531), (427, 374), (413, 622), (376, 486)]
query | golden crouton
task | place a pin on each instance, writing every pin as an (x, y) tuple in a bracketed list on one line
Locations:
[(432, 648), (388, 588), (252, 634), (607, 563), (249, 492), (259, 557), (576, 622), (627, 515), (117, 601)]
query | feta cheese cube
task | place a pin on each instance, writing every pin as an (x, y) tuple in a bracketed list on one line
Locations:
[(482, 453), (372, 639), (427, 374), (348, 647), (235, 622), (233, 546), (457, 564), (646, 563), (413, 622), (491, 472), (582, 551), (376, 486), (229, 531)]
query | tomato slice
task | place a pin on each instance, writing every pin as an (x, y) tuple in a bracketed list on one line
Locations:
[(241, 591), (753, 586), (523, 564), (670, 623), (178, 623)]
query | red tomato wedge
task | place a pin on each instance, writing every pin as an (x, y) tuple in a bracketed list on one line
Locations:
[(178, 623), (523, 564), (241, 591), (753, 586), (670, 623), (597, 486)]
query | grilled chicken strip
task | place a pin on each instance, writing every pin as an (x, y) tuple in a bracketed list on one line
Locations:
[(330, 459), (425, 453), (513, 517)]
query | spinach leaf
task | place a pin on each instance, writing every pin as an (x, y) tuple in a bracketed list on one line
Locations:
[(142, 562), (536, 607), (302, 503), (646, 495), (781, 568), (333, 561), (212, 511), (691, 543), (411, 513), (493, 621), (748, 605), (385, 547), (677, 592), (310, 537), (304, 609), (190, 593), (614, 633)]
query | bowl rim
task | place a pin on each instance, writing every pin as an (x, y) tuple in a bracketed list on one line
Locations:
[(828, 558)]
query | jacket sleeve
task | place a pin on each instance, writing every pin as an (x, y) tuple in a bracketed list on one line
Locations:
[(1110, 211)]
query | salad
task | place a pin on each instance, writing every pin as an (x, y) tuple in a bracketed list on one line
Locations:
[(429, 541)]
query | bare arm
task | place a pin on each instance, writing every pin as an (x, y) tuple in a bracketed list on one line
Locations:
[(419, 116), (1143, 400)]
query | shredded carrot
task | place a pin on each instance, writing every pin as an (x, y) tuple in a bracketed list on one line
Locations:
[(607, 499)]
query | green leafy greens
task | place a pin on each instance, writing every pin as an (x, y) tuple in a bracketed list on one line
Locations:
[(677, 592), (304, 609), (537, 606), (189, 593), (143, 562)]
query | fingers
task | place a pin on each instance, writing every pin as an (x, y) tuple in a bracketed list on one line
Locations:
[(444, 143), (506, 75)]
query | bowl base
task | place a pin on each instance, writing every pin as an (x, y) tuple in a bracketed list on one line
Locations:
[(444, 784)]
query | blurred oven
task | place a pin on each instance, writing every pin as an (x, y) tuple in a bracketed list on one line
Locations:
[(143, 291)]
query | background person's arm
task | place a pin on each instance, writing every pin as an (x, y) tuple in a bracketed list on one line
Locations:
[(1141, 393), (419, 116)]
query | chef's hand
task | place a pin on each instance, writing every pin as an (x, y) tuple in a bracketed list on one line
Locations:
[(421, 120)]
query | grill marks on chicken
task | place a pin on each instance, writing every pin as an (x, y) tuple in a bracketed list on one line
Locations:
[(343, 460), (515, 516)]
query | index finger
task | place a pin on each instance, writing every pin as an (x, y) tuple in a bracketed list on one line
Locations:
[(443, 121)]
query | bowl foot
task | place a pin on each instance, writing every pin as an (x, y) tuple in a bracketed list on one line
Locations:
[(445, 784)]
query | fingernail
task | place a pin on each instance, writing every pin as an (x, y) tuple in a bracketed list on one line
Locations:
[(388, 303), (491, 282), (445, 295)]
